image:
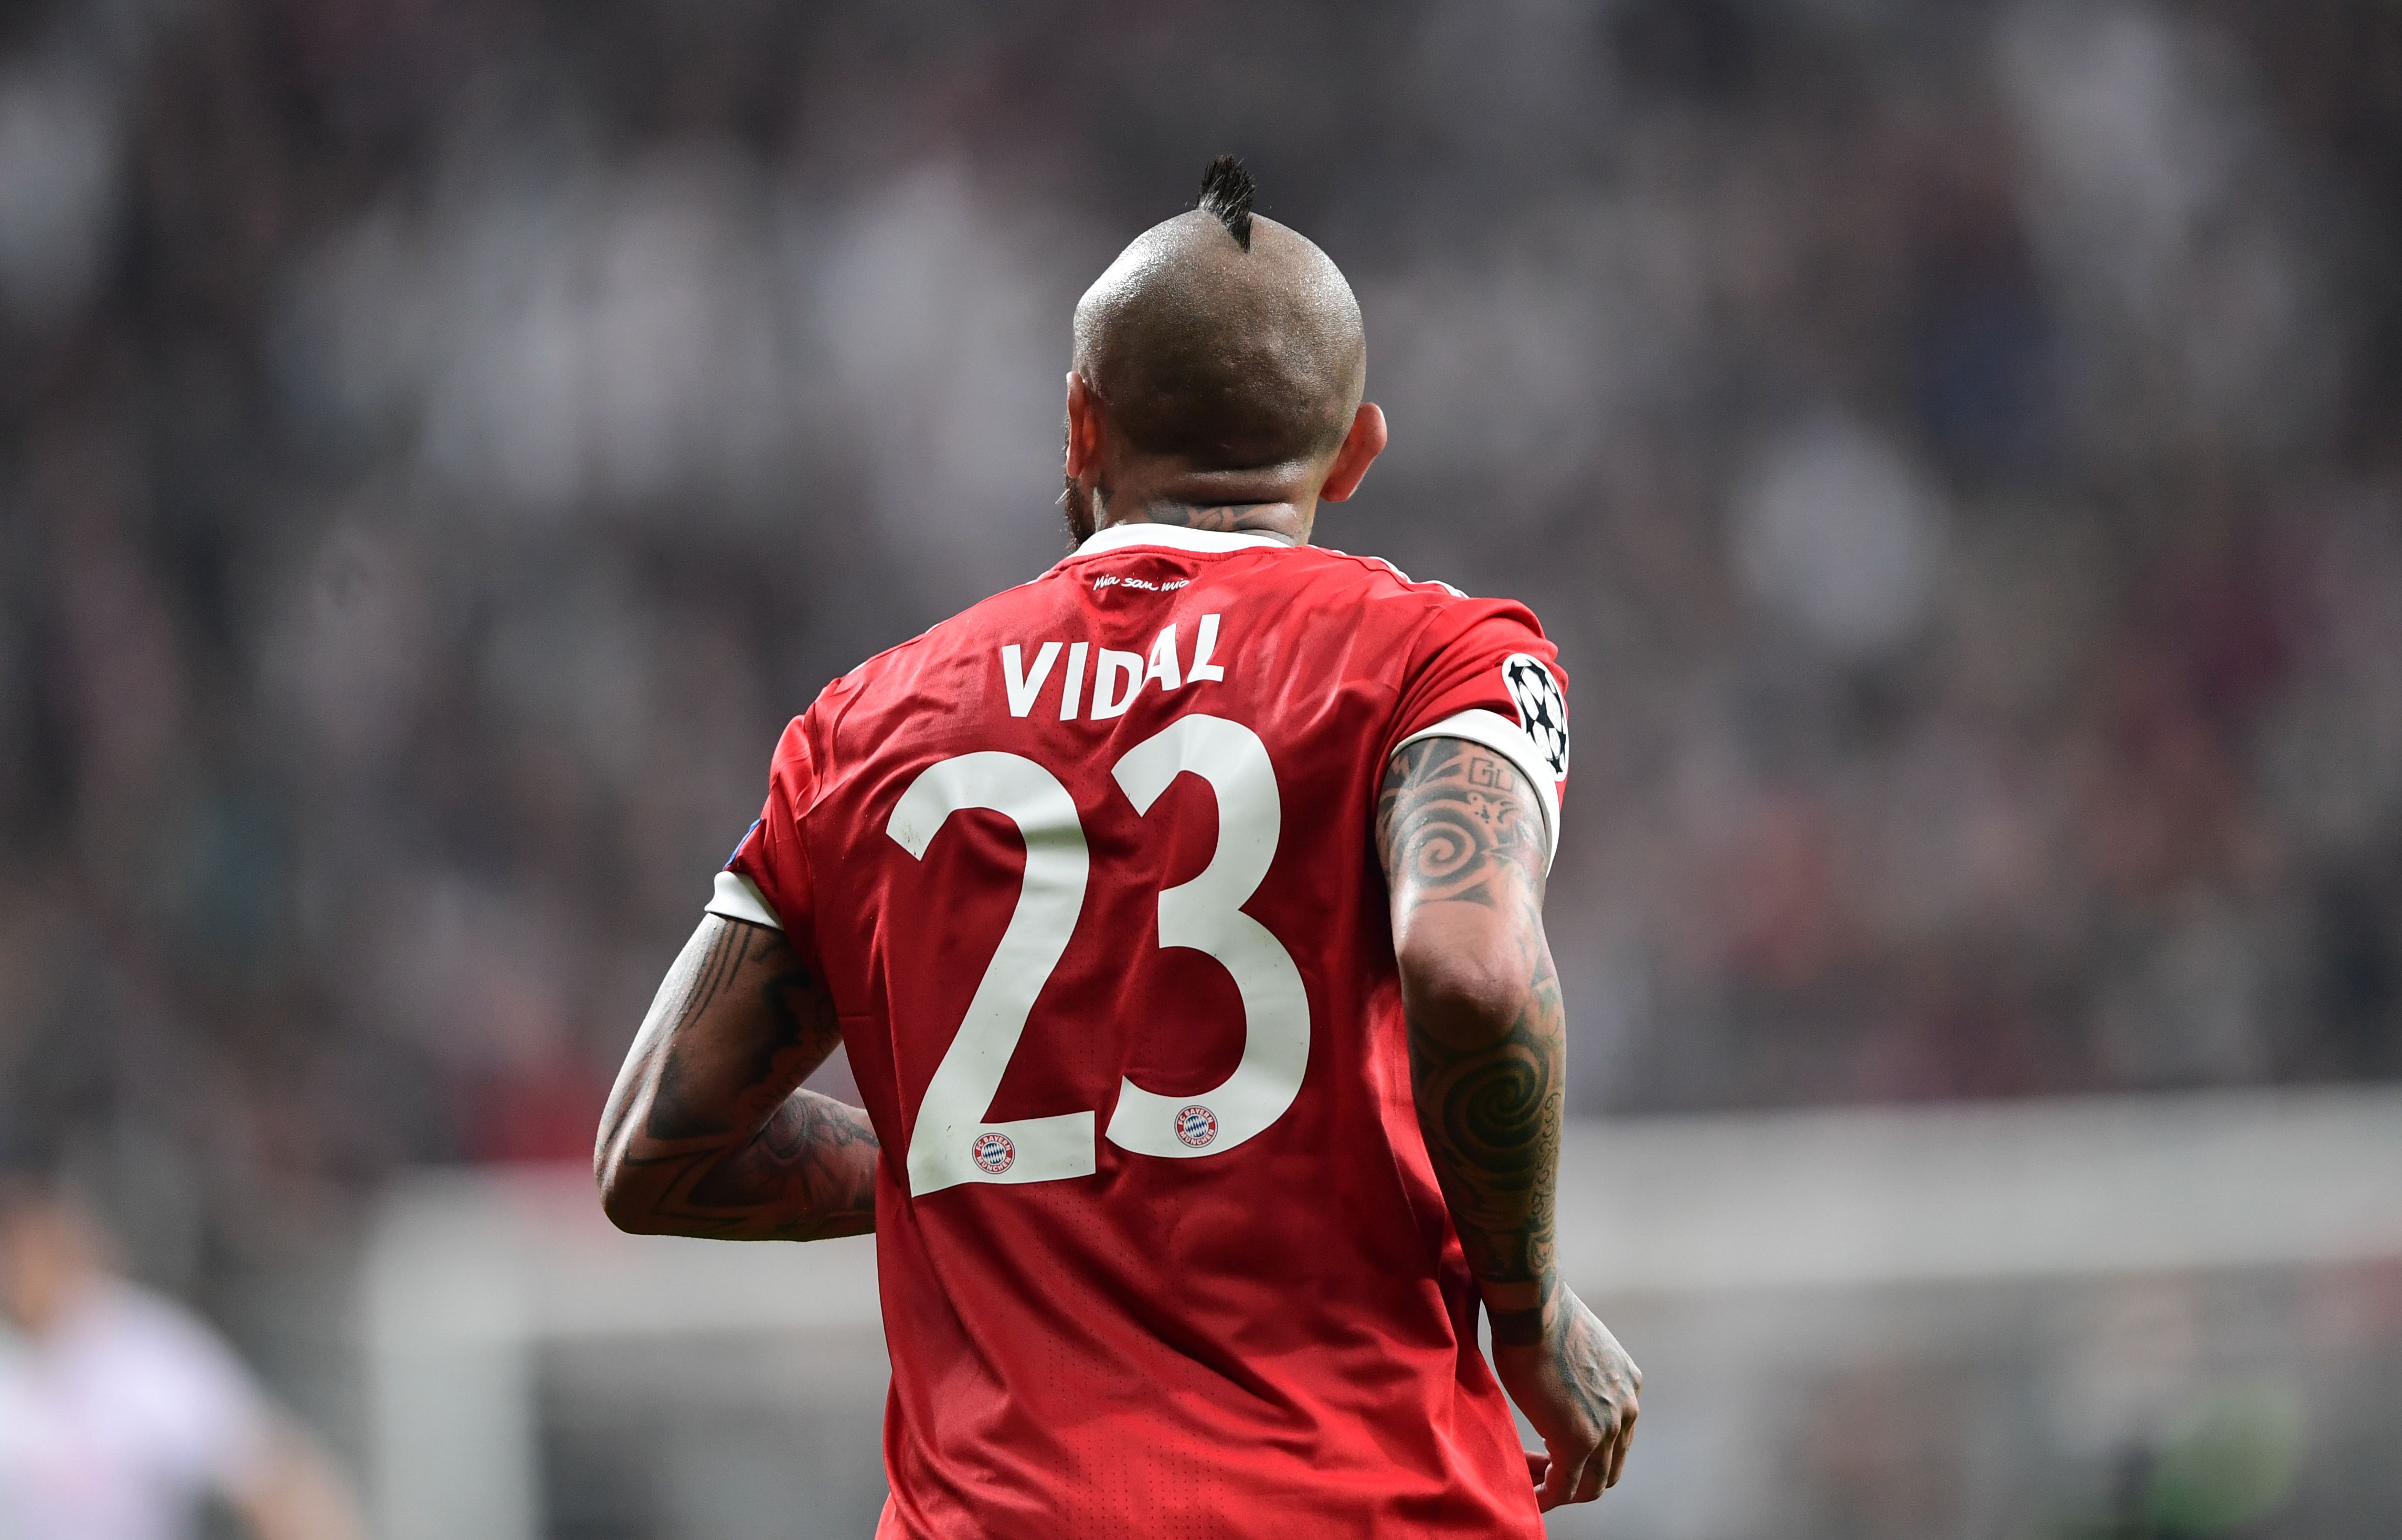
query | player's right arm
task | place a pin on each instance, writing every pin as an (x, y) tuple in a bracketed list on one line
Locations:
[(708, 1131), (1464, 845)]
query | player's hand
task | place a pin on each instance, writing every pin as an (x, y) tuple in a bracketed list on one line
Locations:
[(1578, 1386)]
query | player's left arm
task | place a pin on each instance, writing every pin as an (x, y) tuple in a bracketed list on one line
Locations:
[(708, 1131)]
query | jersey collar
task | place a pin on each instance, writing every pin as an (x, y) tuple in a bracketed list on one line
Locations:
[(1117, 537)]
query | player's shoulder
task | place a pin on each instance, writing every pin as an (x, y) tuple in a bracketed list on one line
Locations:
[(1383, 576), (1436, 613), (965, 630), (1328, 576), (946, 638), (1368, 590)]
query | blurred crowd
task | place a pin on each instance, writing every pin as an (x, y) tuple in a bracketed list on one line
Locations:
[(1957, 448)]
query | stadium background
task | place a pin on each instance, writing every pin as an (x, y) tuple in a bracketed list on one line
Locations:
[(1958, 450)]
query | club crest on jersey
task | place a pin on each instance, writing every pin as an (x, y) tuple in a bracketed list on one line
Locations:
[(1542, 711), (993, 1153), (1196, 1126)]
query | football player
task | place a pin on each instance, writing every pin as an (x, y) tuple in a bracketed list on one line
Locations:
[(1180, 911)]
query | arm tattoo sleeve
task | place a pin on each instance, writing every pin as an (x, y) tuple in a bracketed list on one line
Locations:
[(1456, 825), (708, 1131)]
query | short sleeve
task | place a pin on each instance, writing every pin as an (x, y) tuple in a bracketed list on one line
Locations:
[(1483, 670), (766, 879)]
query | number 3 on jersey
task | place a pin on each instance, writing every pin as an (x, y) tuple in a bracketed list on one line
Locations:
[(952, 1141)]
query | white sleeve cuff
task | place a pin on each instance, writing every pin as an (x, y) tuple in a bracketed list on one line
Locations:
[(1508, 739), (738, 898)]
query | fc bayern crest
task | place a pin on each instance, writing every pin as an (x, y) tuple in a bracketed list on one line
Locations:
[(993, 1152), (1197, 1126), (1541, 709)]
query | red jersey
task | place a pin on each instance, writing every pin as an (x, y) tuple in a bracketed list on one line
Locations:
[(1090, 874)]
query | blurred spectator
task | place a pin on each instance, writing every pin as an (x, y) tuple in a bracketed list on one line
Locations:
[(121, 1412)]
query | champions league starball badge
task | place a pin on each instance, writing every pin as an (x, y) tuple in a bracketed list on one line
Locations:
[(993, 1153), (1541, 709), (1196, 1126)]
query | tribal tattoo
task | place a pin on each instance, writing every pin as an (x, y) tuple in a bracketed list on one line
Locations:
[(1456, 823), (1463, 841), (708, 1131)]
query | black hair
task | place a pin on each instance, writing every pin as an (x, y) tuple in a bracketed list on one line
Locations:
[(1226, 191)]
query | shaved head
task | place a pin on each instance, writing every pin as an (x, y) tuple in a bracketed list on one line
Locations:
[(1224, 339)]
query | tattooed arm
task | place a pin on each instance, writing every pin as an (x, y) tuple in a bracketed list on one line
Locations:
[(1462, 840), (707, 1131)]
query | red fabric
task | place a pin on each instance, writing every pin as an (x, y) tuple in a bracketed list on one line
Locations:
[(1278, 1338)]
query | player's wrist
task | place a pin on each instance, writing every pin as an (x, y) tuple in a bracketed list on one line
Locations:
[(1521, 1311)]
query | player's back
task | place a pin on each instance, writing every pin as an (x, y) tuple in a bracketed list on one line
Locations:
[(1090, 876)]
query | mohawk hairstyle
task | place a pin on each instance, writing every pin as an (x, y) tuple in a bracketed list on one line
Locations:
[(1226, 191)]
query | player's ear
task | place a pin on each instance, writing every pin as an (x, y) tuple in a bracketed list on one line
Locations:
[(1084, 428), (1361, 447)]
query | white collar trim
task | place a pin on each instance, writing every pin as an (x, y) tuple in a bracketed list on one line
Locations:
[(1117, 537)]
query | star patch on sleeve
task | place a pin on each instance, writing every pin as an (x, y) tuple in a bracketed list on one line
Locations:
[(1542, 711)]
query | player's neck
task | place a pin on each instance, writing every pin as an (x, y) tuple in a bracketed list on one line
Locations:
[(1278, 502), (1280, 521)]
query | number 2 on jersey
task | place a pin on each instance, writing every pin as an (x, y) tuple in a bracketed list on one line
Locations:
[(953, 1141)]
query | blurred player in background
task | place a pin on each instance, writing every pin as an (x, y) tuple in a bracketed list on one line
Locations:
[(1182, 912), (121, 1414)]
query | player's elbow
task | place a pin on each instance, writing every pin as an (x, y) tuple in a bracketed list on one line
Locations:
[(633, 1218), (627, 1208), (1461, 985)]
